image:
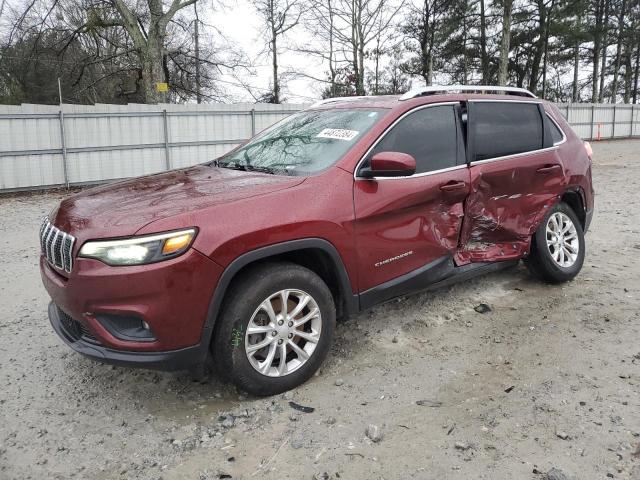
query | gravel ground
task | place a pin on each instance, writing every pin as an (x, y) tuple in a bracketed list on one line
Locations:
[(423, 387)]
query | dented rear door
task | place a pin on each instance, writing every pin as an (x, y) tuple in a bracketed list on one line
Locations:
[(516, 174)]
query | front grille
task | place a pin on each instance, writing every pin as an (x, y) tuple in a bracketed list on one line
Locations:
[(56, 246), (75, 330)]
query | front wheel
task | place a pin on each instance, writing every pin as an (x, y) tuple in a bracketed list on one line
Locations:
[(558, 246), (276, 328)]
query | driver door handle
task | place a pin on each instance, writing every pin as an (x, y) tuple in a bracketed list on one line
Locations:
[(453, 185)]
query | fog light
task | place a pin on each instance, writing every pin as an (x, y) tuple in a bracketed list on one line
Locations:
[(127, 328)]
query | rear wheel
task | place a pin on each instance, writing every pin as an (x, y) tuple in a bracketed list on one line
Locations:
[(557, 247), (276, 328)]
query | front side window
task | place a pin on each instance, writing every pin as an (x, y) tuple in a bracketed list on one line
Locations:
[(304, 143), (499, 129), (429, 135)]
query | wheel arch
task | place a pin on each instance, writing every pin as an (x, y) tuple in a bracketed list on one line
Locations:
[(574, 197), (317, 254)]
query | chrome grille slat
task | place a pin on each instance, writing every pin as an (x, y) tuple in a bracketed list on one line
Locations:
[(47, 243), (62, 250), (56, 246), (69, 240)]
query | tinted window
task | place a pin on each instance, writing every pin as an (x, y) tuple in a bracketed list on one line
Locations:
[(505, 128), (429, 135), (556, 133)]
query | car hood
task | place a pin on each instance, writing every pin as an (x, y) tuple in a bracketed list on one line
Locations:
[(123, 208)]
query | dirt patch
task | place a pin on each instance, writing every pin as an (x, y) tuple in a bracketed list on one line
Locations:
[(422, 387)]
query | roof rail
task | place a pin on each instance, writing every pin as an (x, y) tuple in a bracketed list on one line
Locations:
[(337, 99), (435, 89)]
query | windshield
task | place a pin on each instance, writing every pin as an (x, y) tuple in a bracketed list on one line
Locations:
[(304, 143)]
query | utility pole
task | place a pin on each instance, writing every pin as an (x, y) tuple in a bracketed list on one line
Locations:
[(197, 43), (63, 138)]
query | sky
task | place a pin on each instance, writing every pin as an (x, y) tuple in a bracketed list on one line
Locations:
[(240, 23)]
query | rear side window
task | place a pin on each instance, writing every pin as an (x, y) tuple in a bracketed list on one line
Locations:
[(556, 133), (505, 128), (429, 135)]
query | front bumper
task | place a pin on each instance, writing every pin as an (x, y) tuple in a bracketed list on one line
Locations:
[(183, 359), (171, 297)]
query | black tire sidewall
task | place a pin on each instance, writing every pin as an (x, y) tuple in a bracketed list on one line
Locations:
[(543, 263), (244, 298)]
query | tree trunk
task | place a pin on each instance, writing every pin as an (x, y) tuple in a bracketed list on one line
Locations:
[(276, 81), (376, 80), (546, 50), (197, 53), (354, 45), (637, 73), (605, 45), (332, 68), (153, 72), (432, 39), (464, 45), (360, 84), (628, 72), (484, 60), (503, 70), (149, 46), (616, 69), (597, 40), (576, 62), (539, 46)]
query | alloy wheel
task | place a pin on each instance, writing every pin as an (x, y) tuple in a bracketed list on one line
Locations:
[(283, 333), (562, 240)]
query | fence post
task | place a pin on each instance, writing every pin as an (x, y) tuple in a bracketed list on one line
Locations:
[(63, 143), (613, 127), (167, 155), (593, 108), (632, 112), (253, 122)]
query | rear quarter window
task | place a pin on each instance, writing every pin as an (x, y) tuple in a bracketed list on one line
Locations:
[(556, 134), (499, 129)]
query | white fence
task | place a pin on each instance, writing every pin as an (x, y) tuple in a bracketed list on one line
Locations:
[(600, 121), (44, 146)]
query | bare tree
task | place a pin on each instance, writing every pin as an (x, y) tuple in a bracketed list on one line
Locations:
[(484, 57), (320, 22), (279, 16), (505, 39), (99, 60), (364, 21), (149, 38)]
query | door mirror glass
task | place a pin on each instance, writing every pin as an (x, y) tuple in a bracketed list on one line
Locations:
[(391, 164)]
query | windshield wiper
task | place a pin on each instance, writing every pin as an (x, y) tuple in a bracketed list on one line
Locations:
[(251, 168)]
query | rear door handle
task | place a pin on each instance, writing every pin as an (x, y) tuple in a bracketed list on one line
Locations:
[(453, 185), (548, 169)]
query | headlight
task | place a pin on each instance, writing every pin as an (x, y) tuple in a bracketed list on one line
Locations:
[(139, 250)]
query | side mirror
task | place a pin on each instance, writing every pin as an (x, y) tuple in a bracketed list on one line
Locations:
[(391, 164)]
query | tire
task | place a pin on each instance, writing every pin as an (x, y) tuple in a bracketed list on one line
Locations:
[(552, 263), (247, 303)]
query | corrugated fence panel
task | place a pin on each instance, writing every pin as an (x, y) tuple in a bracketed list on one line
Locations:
[(106, 142)]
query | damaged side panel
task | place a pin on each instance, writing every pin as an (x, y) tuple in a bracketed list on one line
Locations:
[(403, 225), (508, 199)]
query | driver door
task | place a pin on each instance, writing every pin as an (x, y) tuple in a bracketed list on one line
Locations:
[(408, 226)]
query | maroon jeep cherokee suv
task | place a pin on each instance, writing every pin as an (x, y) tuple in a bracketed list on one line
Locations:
[(248, 260)]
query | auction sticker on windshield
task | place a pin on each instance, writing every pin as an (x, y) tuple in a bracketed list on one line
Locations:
[(338, 134)]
